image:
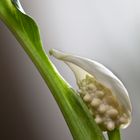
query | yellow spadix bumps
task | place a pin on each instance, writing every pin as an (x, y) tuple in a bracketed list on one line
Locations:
[(104, 107), (104, 94)]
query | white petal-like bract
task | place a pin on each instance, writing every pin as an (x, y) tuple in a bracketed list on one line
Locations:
[(83, 66)]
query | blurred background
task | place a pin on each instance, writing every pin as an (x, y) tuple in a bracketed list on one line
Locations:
[(104, 30)]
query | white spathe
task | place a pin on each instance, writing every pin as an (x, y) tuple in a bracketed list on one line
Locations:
[(82, 66)]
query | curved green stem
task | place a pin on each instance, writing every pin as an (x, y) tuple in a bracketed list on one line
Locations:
[(75, 112), (114, 135)]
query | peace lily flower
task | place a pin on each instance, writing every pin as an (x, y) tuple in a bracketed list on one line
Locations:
[(106, 97), (104, 94)]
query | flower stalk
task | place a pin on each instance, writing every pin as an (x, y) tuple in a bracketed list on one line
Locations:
[(76, 114), (114, 135)]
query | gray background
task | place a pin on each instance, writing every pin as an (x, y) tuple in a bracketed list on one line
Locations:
[(104, 30)]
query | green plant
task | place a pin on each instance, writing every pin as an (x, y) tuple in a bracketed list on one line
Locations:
[(80, 122)]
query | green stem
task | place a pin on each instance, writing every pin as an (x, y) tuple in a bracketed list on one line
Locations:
[(114, 135), (76, 114)]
